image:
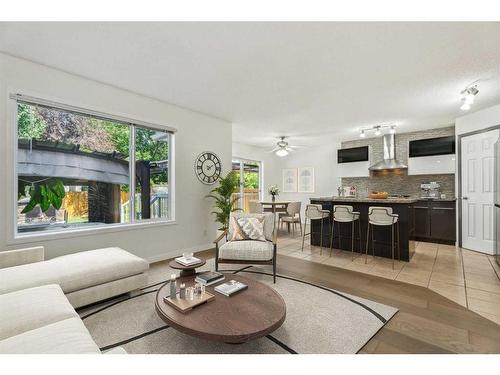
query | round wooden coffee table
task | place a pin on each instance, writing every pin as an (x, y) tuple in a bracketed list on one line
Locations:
[(186, 270), (248, 315)]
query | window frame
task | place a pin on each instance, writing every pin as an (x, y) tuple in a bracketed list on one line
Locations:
[(242, 161), (133, 223)]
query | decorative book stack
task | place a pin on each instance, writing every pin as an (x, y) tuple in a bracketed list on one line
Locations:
[(230, 288), (209, 278), (185, 261)]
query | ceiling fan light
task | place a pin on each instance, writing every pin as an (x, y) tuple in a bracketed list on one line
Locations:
[(282, 152)]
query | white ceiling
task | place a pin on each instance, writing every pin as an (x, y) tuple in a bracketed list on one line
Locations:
[(312, 81)]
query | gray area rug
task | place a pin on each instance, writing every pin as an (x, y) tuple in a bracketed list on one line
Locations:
[(319, 320)]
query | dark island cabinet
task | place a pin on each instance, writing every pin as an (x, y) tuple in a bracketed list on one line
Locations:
[(381, 240), (422, 220), (435, 221)]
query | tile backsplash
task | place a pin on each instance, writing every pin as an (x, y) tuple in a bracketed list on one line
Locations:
[(400, 184), (405, 185)]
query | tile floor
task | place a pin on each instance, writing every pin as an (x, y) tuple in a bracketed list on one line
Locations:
[(469, 278)]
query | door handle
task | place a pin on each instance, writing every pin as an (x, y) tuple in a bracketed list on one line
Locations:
[(465, 198)]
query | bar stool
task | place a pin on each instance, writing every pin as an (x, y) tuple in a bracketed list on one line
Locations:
[(316, 212), (382, 216), (345, 214)]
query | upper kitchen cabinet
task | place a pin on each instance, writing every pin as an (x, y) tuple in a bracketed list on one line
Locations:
[(353, 162), (432, 156)]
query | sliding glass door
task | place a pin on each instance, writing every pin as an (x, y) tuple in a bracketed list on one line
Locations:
[(250, 173)]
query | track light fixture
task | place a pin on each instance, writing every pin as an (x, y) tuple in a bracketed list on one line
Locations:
[(378, 130), (468, 96)]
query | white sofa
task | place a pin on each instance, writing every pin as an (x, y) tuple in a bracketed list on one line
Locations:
[(38, 297), (84, 277), (41, 320)]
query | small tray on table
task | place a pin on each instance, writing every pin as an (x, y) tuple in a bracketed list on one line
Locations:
[(185, 305)]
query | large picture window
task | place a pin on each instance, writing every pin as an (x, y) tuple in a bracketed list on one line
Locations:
[(76, 170)]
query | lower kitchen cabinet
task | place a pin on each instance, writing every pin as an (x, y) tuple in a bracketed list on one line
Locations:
[(422, 220), (435, 221)]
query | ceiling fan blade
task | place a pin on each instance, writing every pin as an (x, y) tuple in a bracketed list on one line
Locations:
[(274, 149), (297, 146)]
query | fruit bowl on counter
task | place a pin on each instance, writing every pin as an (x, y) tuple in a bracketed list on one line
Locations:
[(378, 195)]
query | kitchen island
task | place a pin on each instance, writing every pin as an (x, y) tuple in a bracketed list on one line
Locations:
[(404, 207)]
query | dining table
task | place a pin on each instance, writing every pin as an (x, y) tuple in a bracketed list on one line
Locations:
[(274, 207)]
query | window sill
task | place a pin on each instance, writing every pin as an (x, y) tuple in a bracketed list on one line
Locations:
[(61, 234)]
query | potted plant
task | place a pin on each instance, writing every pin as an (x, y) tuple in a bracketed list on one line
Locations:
[(274, 191), (44, 193), (224, 200)]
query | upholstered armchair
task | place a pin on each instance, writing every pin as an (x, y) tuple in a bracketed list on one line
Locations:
[(244, 250)]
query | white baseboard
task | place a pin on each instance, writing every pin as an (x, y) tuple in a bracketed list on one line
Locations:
[(178, 252)]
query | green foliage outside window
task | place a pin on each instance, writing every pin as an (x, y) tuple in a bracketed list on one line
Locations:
[(91, 134), (30, 123), (251, 180)]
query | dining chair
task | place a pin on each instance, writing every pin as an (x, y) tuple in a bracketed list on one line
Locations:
[(292, 216)]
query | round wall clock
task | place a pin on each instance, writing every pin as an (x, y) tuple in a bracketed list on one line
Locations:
[(207, 167)]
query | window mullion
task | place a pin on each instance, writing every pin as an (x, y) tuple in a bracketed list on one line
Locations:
[(132, 173)]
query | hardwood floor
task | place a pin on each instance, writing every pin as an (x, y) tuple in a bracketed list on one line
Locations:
[(427, 322), (469, 278)]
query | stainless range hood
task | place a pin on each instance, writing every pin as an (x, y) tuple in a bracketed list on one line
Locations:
[(390, 162)]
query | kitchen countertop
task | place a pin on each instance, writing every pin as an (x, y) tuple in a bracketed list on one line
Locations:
[(437, 200), (367, 200)]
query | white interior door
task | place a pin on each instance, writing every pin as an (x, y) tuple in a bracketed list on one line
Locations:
[(478, 191)]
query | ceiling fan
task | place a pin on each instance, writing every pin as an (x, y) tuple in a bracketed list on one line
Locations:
[(282, 147)]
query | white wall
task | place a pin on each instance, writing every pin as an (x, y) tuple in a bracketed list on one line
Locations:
[(326, 173), (479, 120), (322, 158), (194, 228)]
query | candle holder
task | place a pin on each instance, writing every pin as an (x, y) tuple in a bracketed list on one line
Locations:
[(173, 286), (190, 293), (197, 290), (182, 291)]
